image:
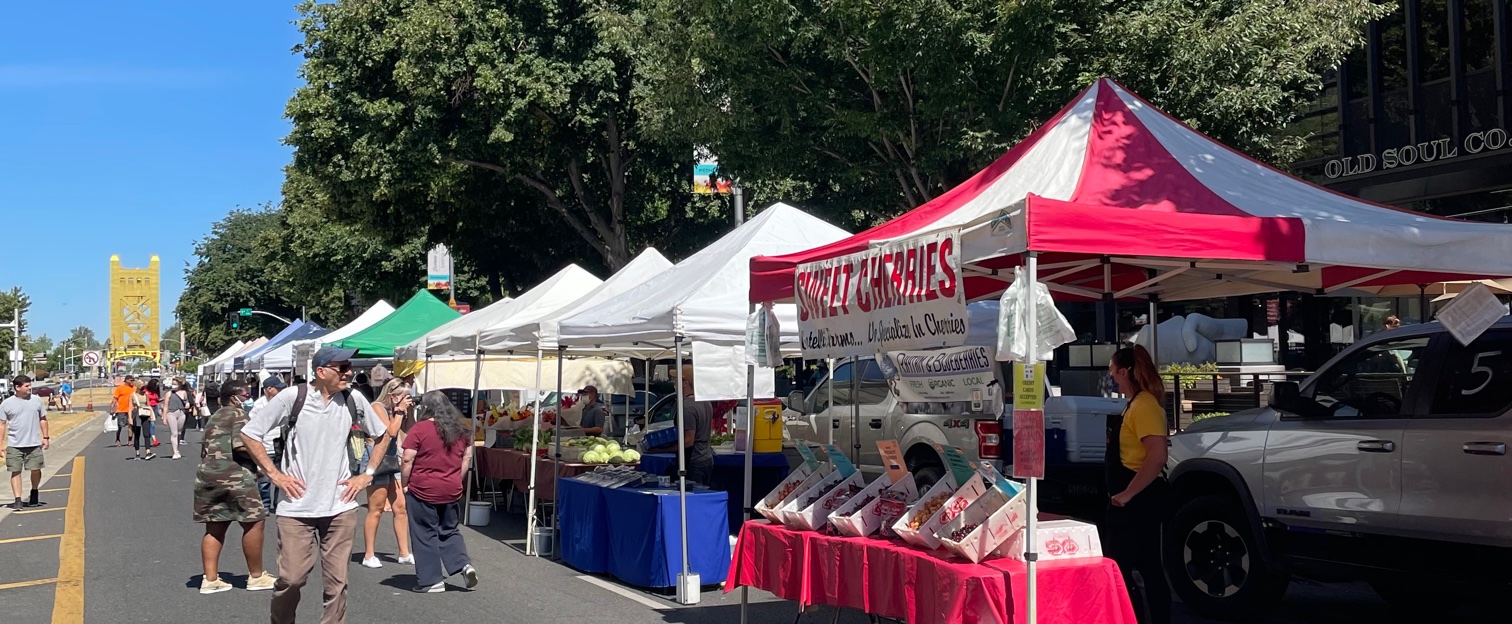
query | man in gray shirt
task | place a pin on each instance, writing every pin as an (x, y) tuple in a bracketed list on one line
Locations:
[(698, 418), (23, 427), (594, 413)]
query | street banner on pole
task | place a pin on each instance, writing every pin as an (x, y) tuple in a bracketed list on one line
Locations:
[(438, 268), (905, 294), (706, 178)]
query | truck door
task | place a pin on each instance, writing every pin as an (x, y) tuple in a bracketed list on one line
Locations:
[(1456, 473), (1345, 469), (871, 396)]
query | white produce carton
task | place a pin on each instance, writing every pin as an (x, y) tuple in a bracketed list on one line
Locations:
[(960, 499), (870, 510), (808, 492), (1056, 539), (800, 480), (996, 518), (823, 499)]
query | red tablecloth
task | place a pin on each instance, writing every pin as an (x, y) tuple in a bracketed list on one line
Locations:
[(497, 463), (898, 581)]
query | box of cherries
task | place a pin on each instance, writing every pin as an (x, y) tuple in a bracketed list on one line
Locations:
[(787, 490), (941, 504), (987, 523), (876, 506)]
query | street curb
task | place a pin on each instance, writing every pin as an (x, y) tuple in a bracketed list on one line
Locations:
[(65, 441)]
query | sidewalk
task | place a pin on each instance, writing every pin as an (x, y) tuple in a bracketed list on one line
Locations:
[(65, 446)]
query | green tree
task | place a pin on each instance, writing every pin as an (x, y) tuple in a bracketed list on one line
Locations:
[(495, 127), (10, 300), (231, 272), (874, 108)]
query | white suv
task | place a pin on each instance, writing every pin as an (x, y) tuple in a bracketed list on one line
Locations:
[(1390, 460)]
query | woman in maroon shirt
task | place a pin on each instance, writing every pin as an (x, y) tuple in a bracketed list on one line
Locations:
[(436, 454)]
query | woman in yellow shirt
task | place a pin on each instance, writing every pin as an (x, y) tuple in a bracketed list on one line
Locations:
[(1135, 463)]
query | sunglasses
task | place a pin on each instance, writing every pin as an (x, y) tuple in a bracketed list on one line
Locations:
[(342, 367)]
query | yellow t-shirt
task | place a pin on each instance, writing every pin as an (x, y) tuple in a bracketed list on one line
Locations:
[(1145, 417)]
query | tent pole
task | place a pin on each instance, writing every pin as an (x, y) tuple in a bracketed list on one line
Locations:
[(1031, 556), (750, 446), (682, 471), (855, 399), (535, 440), (1154, 332), (472, 435), (556, 459), (829, 388)]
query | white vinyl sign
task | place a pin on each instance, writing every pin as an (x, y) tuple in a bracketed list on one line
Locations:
[(957, 374), (905, 294)]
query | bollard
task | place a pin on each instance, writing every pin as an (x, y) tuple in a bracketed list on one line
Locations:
[(89, 407)]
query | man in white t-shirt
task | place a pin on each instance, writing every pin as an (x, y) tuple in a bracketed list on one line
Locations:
[(316, 508), (23, 428)]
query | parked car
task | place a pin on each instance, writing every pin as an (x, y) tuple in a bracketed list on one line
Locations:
[(1388, 465)]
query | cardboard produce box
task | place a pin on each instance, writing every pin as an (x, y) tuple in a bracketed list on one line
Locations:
[(1056, 539), (816, 515), (958, 500), (987, 523), (769, 504), (809, 492), (866, 512)]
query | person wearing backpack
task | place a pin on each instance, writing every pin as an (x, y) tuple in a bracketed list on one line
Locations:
[(323, 427)]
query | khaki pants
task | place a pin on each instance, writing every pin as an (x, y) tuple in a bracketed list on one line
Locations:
[(298, 540)]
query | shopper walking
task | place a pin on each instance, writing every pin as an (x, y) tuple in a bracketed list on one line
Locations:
[(1135, 463), (141, 426), (121, 402), (225, 491), (155, 401), (178, 406), (318, 479), (270, 388), (65, 395), (385, 494), (23, 430), (436, 455)]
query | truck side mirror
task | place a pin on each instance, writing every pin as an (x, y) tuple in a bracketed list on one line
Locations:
[(794, 401), (1286, 396)]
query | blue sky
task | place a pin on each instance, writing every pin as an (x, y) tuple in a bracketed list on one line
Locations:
[(128, 128)]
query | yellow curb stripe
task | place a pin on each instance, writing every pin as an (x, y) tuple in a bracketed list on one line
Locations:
[(50, 509), (28, 583), (68, 599), (29, 539)]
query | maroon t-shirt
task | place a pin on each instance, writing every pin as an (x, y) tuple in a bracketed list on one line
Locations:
[(436, 476)]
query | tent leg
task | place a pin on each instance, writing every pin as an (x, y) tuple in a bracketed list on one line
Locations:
[(682, 478), (474, 483), (535, 438), (1031, 556), (556, 461), (750, 450), (829, 388)]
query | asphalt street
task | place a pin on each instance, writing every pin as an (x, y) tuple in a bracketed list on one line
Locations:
[(140, 563)]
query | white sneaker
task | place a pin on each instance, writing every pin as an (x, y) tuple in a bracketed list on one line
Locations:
[(214, 587), (431, 589), (372, 562), (407, 559), (471, 575)]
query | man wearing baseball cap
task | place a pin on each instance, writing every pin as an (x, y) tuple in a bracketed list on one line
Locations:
[(595, 414), (270, 388), (317, 508)]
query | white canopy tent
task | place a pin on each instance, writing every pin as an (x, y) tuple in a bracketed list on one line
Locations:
[(460, 337), (226, 365), (282, 357), (209, 367), (540, 331)]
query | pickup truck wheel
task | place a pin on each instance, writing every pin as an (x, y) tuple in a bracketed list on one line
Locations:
[(926, 477), (1213, 561)]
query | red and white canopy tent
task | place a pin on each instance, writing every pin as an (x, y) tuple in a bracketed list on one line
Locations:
[(1112, 188), (1113, 198)]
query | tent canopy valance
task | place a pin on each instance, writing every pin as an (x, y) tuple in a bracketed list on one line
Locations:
[(1118, 197), (422, 313), (496, 372)]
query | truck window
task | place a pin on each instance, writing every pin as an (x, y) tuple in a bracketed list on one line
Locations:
[(873, 388), (1373, 382), (1476, 380)]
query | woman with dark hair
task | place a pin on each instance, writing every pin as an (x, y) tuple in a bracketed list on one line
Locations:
[(436, 454), (225, 491), (179, 404), (154, 401), (1135, 460), (141, 425)]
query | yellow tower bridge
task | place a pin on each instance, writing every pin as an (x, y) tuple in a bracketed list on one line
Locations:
[(134, 311)]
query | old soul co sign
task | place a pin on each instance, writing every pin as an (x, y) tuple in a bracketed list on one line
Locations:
[(904, 294), (1407, 155)]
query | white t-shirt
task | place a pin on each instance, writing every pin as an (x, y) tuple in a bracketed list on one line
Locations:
[(23, 420), (317, 450)]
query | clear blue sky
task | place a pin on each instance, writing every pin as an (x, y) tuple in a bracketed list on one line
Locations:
[(128, 128)]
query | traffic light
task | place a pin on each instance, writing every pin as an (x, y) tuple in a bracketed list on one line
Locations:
[(233, 320)]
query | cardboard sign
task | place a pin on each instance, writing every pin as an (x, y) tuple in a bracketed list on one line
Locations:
[(956, 462), (997, 480), (892, 459), (1029, 444), (808, 457), (1028, 386), (841, 462)]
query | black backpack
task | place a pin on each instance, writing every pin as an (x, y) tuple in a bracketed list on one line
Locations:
[(302, 391)]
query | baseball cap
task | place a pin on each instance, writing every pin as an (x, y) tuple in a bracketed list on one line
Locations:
[(588, 389), (326, 355), (275, 383)]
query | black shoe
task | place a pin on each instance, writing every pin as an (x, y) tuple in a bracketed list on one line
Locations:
[(33, 502), (150, 456)]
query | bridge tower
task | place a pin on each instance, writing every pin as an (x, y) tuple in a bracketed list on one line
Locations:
[(134, 307)]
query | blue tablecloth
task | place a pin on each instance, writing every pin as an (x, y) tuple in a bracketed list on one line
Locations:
[(767, 472), (633, 533)]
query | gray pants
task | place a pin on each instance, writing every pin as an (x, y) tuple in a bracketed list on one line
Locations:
[(434, 539)]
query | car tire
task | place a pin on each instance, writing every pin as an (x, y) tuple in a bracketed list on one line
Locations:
[(1214, 563), (926, 476)]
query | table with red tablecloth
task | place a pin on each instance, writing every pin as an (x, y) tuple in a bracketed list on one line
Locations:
[(512, 465), (894, 580)]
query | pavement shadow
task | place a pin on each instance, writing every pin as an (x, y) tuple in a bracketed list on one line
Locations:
[(408, 582), (238, 581)]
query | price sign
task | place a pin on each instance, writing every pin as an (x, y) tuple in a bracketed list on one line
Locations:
[(1028, 444), (808, 457), (892, 459), (956, 461), (1028, 386), (841, 462)]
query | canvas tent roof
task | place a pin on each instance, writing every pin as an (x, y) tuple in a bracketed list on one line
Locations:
[(209, 366), (530, 330), (282, 357), (458, 337), (1111, 178), (422, 313), (253, 360), (701, 298), (225, 365)]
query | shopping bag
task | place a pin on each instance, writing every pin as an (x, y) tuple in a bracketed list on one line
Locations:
[(110, 425), (1013, 326)]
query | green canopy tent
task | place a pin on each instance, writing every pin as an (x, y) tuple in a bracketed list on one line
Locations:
[(422, 313)]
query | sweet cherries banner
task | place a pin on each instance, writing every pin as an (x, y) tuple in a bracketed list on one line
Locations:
[(906, 294)]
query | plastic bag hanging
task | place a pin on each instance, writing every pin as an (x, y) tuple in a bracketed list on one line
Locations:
[(1013, 325)]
